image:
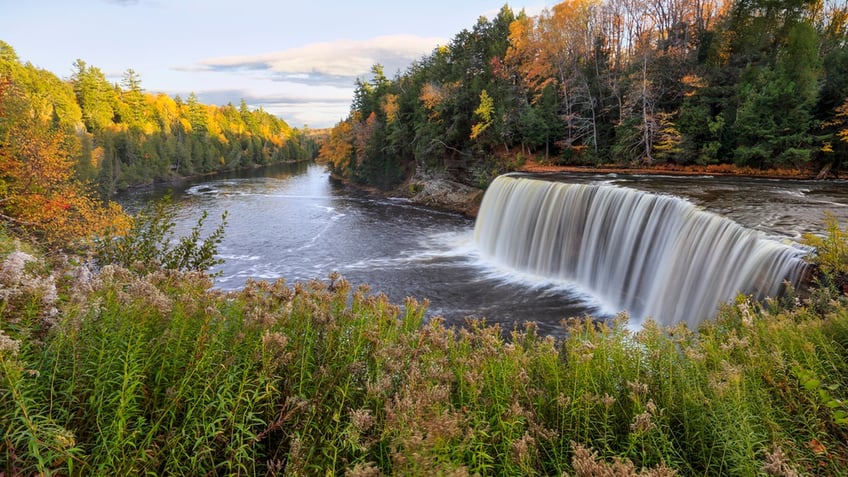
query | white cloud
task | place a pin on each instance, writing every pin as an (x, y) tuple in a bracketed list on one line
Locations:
[(311, 84), (336, 62)]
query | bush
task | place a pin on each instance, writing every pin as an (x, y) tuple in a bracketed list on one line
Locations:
[(830, 254), (150, 243)]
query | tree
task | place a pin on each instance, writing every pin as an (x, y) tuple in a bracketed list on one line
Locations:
[(484, 112), (337, 151), (39, 192), (94, 95)]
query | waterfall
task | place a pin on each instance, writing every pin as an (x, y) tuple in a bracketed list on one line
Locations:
[(651, 255)]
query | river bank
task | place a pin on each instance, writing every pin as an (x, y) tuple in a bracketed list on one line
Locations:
[(439, 191), (534, 166)]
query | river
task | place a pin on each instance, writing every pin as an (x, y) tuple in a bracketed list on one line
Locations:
[(293, 222)]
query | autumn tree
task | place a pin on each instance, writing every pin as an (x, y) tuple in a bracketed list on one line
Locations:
[(337, 150), (39, 192)]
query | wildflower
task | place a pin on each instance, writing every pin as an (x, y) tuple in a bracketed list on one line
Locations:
[(734, 342), (651, 407), (12, 269), (694, 354), (368, 469), (642, 423), (362, 420), (776, 464), (259, 317), (747, 315), (524, 449), (608, 400), (517, 411), (637, 389), (8, 345), (142, 291), (64, 439), (274, 342)]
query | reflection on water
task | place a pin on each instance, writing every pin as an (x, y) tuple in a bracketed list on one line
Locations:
[(293, 222)]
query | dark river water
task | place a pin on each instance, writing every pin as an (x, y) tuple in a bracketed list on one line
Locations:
[(293, 222)]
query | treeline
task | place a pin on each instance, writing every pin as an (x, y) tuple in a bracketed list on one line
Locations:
[(118, 135), (756, 83)]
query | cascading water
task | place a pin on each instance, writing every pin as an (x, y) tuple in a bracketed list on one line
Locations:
[(650, 255)]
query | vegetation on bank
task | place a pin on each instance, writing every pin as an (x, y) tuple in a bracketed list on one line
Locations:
[(118, 136), (128, 369), (755, 83)]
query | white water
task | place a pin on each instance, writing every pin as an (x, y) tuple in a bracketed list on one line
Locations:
[(650, 255)]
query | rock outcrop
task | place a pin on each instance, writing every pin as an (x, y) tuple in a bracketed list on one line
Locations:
[(442, 193)]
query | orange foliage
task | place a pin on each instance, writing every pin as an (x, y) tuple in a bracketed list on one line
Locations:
[(391, 107), (432, 96), (338, 148), (38, 190)]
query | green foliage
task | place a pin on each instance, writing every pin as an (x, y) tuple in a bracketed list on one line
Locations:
[(122, 136), (830, 253), (747, 83), (150, 244), (157, 374)]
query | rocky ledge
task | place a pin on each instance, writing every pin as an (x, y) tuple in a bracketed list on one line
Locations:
[(442, 193)]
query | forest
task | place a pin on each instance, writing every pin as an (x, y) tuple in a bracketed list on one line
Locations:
[(753, 83), (66, 144)]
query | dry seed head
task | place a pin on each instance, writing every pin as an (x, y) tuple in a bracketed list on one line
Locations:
[(362, 419), (642, 423), (694, 355), (8, 345), (778, 465), (275, 342), (524, 449), (141, 290), (651, 407), (637, 389), (587, 464), (517, 411), (12, 269), (368, 469)]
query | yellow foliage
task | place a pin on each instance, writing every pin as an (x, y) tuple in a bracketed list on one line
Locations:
[(842, 118), (484, 111), (39, 192), (338, 149), (831, 251), (391, 107)]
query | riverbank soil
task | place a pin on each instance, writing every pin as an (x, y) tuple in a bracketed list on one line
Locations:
[(535, 166)]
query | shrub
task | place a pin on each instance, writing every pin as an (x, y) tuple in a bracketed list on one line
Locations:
[(830, 254), (150, 243)]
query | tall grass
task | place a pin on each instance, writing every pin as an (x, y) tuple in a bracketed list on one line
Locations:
[(157, 374)]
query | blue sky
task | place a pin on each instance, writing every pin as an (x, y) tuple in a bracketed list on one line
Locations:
[(296, 59)]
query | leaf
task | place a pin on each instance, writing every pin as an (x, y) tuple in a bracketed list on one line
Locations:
[(817, 447)]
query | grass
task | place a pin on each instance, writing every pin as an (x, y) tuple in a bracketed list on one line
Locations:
[(157, 374)]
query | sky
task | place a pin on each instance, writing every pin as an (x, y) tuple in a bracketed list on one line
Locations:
[(296, 59)]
